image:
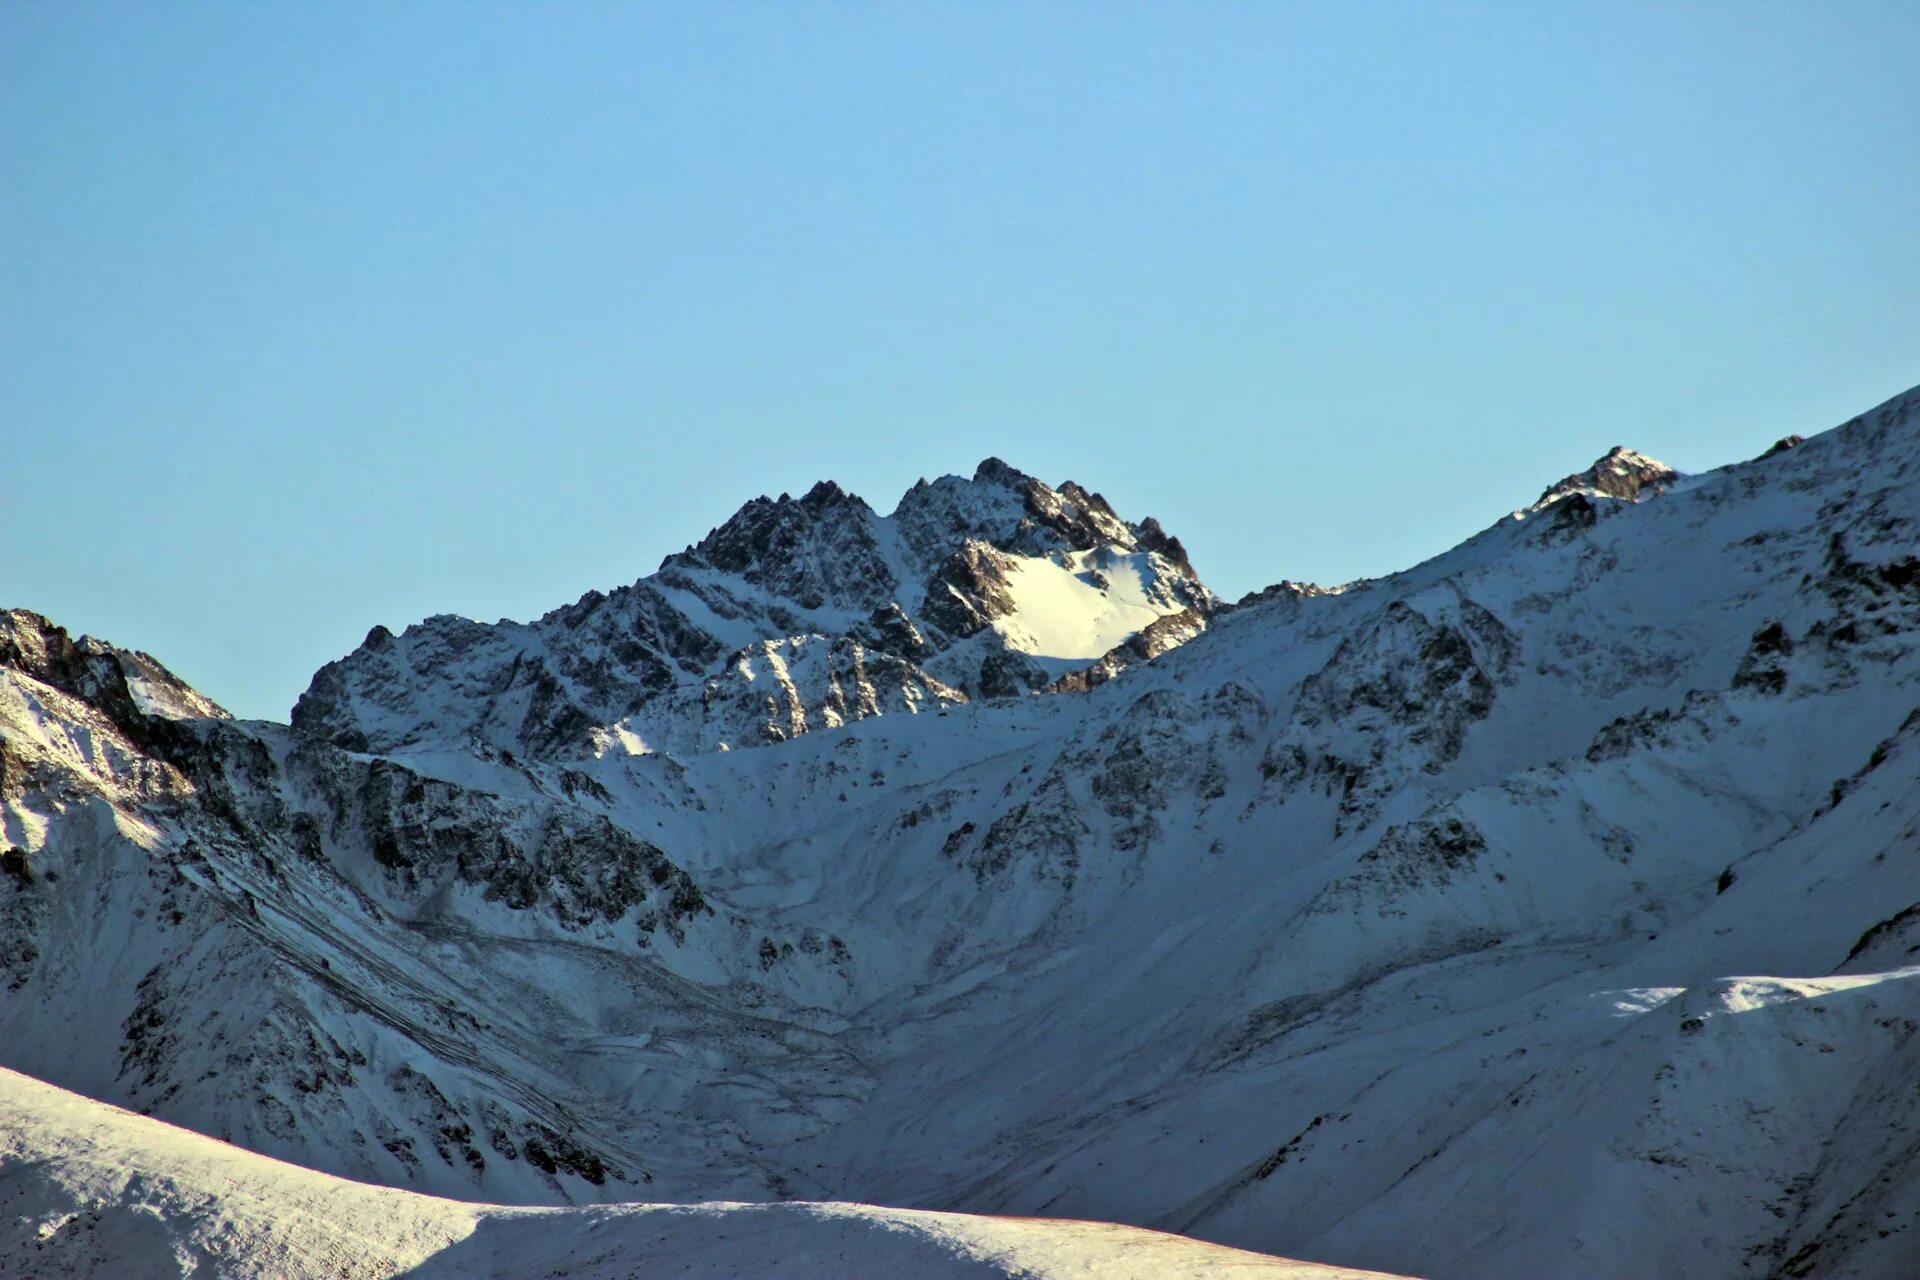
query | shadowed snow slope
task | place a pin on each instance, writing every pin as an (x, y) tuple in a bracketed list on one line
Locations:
[(1547, 909), (88, 1190)]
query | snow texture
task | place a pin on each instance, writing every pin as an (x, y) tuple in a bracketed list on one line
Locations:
[(88, 1190)]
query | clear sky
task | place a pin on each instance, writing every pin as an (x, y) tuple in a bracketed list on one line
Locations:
[(316, 316)]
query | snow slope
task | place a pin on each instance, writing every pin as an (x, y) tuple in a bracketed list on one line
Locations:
[(88, 1190), (1549, 908), (1083, 605)]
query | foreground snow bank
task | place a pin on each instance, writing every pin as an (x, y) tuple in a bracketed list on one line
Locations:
[(87, 1189)]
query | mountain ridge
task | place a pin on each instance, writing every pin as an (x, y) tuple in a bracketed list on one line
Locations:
[(1550, 899), (863, 613)]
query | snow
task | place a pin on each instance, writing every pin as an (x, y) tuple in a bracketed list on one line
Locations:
[(783, 573), (89, 1190), (1081, 605), (1493, 921)]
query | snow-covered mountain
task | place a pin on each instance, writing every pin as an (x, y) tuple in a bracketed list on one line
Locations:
[(795, 614), (1549, 908)]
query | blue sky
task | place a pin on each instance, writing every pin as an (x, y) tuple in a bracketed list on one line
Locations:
[(317, 316)]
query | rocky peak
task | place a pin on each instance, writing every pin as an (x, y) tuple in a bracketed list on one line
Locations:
[(126, 685), (995, 472), (817, 550), (1017, 513), (1153, 538), (827, 494), (1621, 474), (935, 586), (935, 517), (1073, 516), (34, 646)]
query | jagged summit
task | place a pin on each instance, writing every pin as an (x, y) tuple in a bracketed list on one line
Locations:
[(794, 614), (802, 613), (816, 551), (126, 684), (995, 471), (1016, 512), (1619, 473)]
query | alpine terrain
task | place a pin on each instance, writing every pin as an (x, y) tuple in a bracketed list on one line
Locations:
[(1550, 908)]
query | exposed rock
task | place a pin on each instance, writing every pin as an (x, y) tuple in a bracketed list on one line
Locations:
[(1010, 675), (1288, 589), (1150, 642), (1622, 474), (924, 586), (1761, 669), (969, 590), (818, 551), (890, 630), (1153, 538)]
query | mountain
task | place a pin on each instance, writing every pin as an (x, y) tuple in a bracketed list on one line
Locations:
[(1548, 908), (795, 614), (1622, 473)]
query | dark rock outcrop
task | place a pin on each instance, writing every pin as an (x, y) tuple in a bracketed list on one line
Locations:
[(1622, 474)]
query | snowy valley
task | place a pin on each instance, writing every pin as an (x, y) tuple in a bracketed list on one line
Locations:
[(1550, 908)]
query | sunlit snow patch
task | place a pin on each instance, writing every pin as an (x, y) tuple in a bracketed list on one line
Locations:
[(1081, 605)]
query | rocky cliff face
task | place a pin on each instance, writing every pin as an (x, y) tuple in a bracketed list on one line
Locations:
[(1547, 907)]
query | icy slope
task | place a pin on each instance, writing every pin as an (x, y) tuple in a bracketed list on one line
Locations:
[(88, 1190)]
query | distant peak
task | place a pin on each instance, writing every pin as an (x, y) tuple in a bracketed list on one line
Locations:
[(828, 494), (994, 471), (1620, 473)]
